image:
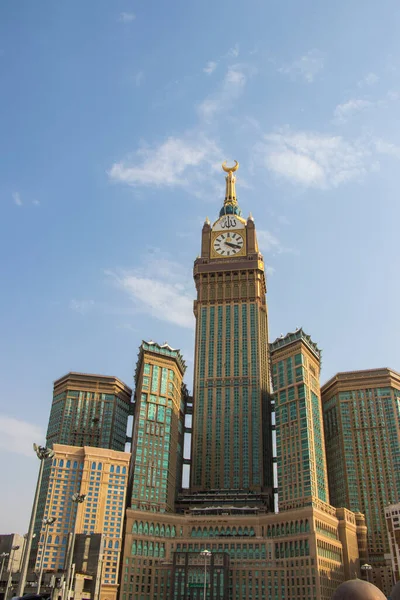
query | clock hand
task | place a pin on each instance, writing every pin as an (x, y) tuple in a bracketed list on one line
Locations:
[(232, 245)]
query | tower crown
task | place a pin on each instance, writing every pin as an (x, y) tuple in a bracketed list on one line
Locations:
[(230, 206)]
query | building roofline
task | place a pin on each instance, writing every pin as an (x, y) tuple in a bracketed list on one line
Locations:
[(110, 379), (361, 377), (164, 350), (299, 335)]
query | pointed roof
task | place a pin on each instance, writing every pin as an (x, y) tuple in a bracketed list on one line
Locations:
[(295, 336)]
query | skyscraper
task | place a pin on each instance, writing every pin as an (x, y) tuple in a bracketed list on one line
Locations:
[(300, 441), (362, 433), (157, 439), (231, 440), (87, 410), (303, 552), (100, 476)]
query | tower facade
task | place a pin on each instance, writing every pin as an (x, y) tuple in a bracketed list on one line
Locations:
[(301, 553), (89, 410), (300, 444), (158, 429), (101, 476), (362, 433), (231, 440)]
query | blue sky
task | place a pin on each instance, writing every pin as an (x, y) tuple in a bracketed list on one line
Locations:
[(115, 119)]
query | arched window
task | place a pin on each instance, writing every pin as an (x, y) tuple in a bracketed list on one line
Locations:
[(99, 466), (112, 469), (50, 539), (134, 527), (93, 466), (173, 531), (151, 529), (146, 529), (140, 528), (252, 533), (110, 544), (116, 545), (68, 464), (157, 530), (124, 470), (133, 549), (167, 531), (75, 464), (61, 463), (162, 531), (118, 469), (57, 540)]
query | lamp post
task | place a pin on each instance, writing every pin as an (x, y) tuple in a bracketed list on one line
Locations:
[(3, 557), (42, 453), (206, 554), (46, 522), (367, 568), (10, 566), (77, 499)]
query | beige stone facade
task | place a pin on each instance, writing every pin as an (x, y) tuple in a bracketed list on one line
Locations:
[(392, 516), (100, 475), (301, 554)]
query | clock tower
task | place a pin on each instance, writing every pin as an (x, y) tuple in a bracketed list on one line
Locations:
[(232, 426)]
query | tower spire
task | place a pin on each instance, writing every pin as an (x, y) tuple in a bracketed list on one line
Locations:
[(230, 203)]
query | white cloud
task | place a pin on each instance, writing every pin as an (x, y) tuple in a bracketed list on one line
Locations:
[(313, 159), (268, 242), (231, 88), (17, 199), (387, 148), (167, 164), (127, 17), (234, 51), (369, 79), (36, 202), (210, 67), (306, 67), (346, 110), (165, 295), (18, 436), (81, 306)]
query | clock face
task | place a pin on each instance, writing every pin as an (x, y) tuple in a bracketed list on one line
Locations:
[(228, 244)]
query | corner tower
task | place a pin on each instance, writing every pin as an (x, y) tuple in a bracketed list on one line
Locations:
[(232, 439)]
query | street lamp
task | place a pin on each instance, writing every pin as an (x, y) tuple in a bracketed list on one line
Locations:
[(367, 568), (206, 554), (46, 522), (3, 557), (10, 566), (42, 453), (77, 499)]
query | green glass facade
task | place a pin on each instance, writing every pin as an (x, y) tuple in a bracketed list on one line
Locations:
[(362, 432), (229, 398), (299, 422), (157, 450)]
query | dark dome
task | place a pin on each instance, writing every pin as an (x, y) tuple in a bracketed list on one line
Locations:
[(395, 595), (357, 589)]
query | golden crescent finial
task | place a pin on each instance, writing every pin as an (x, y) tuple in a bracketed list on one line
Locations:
[(230, 169)]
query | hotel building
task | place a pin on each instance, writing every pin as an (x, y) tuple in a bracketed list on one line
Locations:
[(362, 435)]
